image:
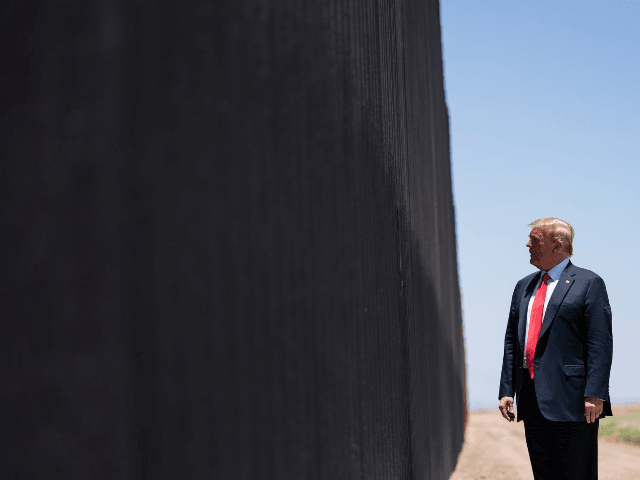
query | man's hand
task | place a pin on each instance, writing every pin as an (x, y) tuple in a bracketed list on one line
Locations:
[(592, 408), (506, 407)]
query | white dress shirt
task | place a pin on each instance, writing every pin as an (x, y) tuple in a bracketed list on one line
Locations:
[(554, 273)]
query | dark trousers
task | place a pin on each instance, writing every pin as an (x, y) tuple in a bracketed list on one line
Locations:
[(557, 450)]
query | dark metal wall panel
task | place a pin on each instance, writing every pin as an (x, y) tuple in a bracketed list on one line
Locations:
[(229, 242)]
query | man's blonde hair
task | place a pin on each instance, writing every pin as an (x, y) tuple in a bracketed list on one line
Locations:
[(558, 230)]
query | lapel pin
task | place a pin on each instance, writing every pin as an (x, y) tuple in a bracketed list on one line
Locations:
[(567, 281)]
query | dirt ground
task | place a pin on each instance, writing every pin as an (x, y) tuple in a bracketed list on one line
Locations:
[(495, 449)]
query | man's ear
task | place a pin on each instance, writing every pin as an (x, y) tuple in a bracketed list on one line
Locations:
[(557, 245)]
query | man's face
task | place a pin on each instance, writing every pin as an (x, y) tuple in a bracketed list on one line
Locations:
[(541, 249)]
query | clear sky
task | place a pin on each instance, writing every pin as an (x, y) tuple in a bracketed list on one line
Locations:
[(544, 105)]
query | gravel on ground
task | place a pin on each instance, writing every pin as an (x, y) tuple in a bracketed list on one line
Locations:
[(495, 449)]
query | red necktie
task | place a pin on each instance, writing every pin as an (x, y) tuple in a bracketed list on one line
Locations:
[(535, 322)]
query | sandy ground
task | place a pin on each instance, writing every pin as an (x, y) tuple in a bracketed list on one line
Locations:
[(495, 449)]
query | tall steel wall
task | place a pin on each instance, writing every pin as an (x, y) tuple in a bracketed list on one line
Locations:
[(228, 242)]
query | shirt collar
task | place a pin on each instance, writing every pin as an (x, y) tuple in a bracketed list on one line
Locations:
[(555, 272)]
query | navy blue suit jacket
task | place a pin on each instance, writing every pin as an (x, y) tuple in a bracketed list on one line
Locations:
[(574, 349)]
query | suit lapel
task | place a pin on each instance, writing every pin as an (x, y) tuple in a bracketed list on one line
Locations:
[(563, 286)]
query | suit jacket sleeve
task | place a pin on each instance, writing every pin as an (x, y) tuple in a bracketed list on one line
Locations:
[(507, 388), (599, 345)]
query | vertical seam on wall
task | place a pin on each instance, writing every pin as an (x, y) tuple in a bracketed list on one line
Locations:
[(410, 326)]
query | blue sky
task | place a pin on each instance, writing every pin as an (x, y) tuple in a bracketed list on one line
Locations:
[(544, 105)]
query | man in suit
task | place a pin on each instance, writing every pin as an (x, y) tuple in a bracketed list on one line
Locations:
[(557, 357)]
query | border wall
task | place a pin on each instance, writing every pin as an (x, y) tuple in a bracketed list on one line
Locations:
[(228, 241)]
